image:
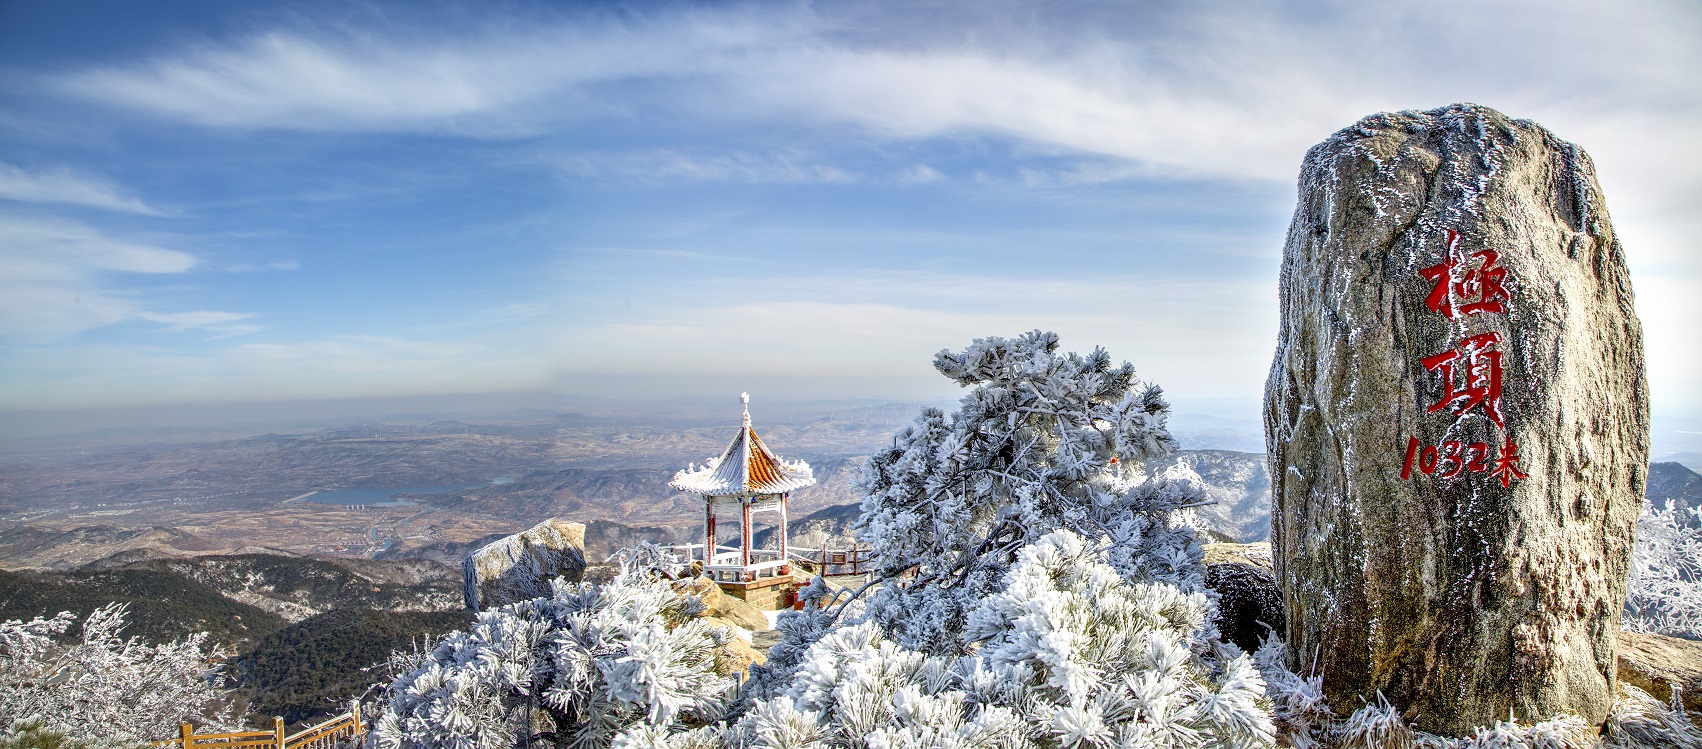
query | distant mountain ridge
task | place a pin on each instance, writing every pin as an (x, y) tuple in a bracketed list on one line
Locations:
[(31, 547), (238, 598)]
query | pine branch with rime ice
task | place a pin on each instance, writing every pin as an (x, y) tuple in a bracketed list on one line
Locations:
[(104, 687)]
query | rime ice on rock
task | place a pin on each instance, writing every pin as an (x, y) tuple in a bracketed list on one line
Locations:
[(520, 567), (1456, 421)]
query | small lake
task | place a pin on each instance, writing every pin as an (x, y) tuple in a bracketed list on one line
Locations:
[(379, 497)]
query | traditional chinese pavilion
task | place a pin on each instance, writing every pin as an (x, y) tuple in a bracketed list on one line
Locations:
[(748, 480)]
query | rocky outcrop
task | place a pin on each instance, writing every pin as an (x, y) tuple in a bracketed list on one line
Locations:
[(1658, 664), (742, 619), (721, 607), (1456, 422), (520, 567)]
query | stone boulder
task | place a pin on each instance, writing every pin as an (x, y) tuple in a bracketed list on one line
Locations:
[(1457, 422), (740, 619), (718, 605), (520, 567), (1658, 664), (737, 656), (1256, 554)]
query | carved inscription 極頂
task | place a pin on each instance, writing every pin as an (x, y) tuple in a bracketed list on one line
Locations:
[(1469, 375)]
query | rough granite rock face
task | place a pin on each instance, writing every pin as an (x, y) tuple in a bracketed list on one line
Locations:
[(1456, 422), (1658, 664), (520, 567), (721, 607)]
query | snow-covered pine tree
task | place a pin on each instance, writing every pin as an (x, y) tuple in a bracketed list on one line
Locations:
[(103, 688), (1043, 441), (583, 667), (1037, 590)]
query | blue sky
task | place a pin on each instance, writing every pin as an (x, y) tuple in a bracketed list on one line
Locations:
[(213, 201)]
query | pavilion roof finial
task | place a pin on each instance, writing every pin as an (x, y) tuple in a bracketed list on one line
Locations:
[(745, 398)]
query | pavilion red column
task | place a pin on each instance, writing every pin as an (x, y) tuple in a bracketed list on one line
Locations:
[(785, 566), (745, 538), (708, 533)]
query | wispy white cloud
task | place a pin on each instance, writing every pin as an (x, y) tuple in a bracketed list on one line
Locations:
[(919, 174), (486, 82), (68, 187), (668, 166), (277, 265), (1211, 90), (55, 280), (225, 324), (1219, 90)]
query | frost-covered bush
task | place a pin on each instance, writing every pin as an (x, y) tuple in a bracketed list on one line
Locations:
[(1664, 593), (28, 733), (1068, 653), (103, 688), (649, 559), (581, 666), (1043, 441)]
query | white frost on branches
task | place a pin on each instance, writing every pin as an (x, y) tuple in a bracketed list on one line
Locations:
[(1069, 653), (584, 665), (1037, 587), (1664, 593), (104, 687), (1042, 442)]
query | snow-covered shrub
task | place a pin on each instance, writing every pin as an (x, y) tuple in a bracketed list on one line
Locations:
[(1067, 653), (583, 665), (1664, 593), (104, 688), (28, 733), (1041, 442), (651, 559)]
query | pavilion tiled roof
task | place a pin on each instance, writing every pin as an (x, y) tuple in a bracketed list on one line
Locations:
[(745, 467)]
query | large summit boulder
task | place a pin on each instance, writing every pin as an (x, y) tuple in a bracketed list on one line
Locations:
[(1456, 422), (520, 567)]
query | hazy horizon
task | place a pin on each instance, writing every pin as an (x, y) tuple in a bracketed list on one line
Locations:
[(1202, 423)]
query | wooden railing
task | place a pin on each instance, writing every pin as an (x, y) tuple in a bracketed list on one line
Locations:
[(821, 560), (342, 729), (815, 560)]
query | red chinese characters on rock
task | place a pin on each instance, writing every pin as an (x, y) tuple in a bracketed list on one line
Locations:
[(1480, 364), (1469, 375), (1453, 457), (1480, 287)]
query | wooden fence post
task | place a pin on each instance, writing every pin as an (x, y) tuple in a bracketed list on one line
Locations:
[(278, 731), (188, 735)]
